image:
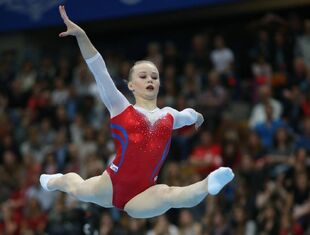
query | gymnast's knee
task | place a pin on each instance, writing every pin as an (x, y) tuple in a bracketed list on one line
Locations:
[(167, 194), (73, 184)]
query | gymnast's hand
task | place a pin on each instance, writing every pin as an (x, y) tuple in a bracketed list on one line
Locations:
[(72, 28), (199, 121)]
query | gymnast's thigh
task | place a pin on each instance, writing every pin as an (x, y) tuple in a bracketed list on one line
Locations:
[(152, 202), (99, 190)]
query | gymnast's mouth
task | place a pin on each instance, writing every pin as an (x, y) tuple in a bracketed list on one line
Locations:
[(150, 88)]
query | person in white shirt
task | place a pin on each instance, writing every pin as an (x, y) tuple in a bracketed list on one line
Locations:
[(221, 56), (258, 114)]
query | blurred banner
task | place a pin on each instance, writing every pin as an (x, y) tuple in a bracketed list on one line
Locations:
[(25, 14)]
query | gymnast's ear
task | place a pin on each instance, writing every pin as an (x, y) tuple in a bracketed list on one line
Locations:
[(130, 86)]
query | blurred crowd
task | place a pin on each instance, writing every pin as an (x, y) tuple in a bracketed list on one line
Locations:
[(256, 106)]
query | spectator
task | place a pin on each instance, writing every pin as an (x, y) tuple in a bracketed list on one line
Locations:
[(213, 99), (187, 224), (303, 141), (258, 114), (35, 218), (206, 156), (292, 107), (190, 83), (170, 91), (60, 94), (282, 147), (268, 128), (137, 226), (163, 226), (267, 222), (107, 226), (262, 71), (222, 57), (154, 54), (303, 46), (230, 150), (171, 56), (262, 47), (301, 209), (306, 105), (200, 52), (240, 224), (281, 55)]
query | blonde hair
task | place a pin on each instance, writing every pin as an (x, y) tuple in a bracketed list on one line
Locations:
[(137, 63)]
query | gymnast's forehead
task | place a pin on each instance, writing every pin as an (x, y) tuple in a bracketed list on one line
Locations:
[(145, 66)]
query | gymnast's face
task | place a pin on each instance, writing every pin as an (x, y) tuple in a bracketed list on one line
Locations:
[(144, 81)]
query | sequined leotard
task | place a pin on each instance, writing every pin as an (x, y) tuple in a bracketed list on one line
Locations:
[(142, 137)]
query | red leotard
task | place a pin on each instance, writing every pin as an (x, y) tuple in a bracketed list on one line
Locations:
[(141, 149)]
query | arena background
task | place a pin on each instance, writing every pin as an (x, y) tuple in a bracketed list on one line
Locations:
[(244, 64)]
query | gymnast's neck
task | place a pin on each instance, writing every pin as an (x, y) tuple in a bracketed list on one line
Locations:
[(148, 104)]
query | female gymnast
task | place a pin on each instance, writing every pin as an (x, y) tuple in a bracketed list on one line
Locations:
[(142, 135)]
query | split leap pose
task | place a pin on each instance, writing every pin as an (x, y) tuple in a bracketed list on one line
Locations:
[(142, 135)]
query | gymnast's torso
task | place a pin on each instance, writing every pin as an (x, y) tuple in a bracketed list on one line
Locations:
[(141, 148)]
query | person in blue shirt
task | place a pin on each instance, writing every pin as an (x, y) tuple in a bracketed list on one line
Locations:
[(266, 130)]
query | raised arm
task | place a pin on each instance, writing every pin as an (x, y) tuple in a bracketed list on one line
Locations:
[(186, 117), (114, 100)]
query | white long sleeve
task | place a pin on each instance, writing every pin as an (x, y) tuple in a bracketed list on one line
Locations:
[(113, 99), (182, 118)]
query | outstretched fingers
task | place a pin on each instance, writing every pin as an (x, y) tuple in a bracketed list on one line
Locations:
[(72, 28), (65, 18), (63, 13)]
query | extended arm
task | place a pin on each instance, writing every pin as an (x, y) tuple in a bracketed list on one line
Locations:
[(185, 117), (114, 100)]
